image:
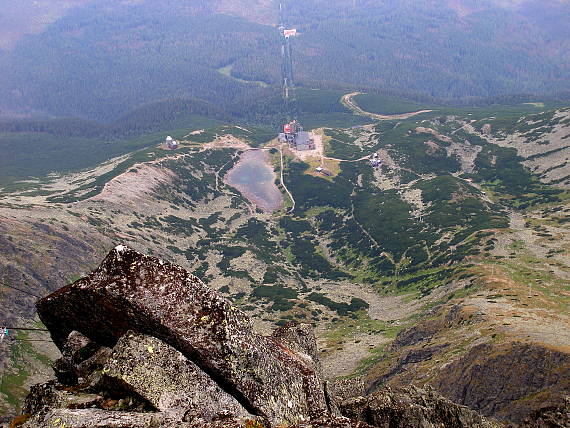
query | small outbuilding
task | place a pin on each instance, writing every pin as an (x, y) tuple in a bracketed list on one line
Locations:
[(171, 143), (289, 32)]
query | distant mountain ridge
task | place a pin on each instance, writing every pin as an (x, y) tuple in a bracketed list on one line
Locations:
[(28, 17)]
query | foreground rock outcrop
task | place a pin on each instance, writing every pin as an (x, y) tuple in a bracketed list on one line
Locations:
[(161, 375), (130, 291), (146, 344)]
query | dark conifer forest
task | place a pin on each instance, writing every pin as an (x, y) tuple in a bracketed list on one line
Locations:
[(107, 60)]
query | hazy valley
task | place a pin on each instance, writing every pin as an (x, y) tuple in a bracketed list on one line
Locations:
[(102, 60)]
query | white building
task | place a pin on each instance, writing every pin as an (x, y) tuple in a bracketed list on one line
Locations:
[(171, 143), (290, 33)]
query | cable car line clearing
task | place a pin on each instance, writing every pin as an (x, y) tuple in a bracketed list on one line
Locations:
[(20, 290)]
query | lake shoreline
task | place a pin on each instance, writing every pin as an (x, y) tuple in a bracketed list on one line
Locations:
[(254, 177)]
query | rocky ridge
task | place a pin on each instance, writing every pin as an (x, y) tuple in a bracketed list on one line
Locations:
[(145, 343), (507, 379)]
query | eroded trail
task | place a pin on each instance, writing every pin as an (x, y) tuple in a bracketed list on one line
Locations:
[(349, 102), (348, 160), (292, 208)]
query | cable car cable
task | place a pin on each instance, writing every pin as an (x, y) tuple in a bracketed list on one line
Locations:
[(19, 289)]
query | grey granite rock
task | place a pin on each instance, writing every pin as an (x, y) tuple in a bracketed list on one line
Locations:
[(130, 291), (168, 380)]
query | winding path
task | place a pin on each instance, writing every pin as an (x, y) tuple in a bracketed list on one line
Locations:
[(349, 102), (219, 170), (348, 160), (290, 210), (360, 226)]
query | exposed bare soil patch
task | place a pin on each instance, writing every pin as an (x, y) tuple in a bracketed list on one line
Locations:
[(134, 186)]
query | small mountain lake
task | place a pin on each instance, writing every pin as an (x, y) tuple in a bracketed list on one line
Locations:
[(254, 177)]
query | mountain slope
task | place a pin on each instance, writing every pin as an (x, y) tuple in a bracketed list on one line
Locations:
[(402, 268)]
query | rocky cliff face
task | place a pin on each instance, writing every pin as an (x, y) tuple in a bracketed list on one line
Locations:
[(525, 377), (411, 408), (145, 343), (502, 377), (550, 416)]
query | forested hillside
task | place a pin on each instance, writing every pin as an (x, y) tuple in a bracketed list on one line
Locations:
[(468, 49), (100, 60)]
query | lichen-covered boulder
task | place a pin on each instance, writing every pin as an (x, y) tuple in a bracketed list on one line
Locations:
[(97, 418), (80, 357), (51, 394), (300, 338), (130, 291), (344, 389), (412, 407), (78, 348), (330, 421), (168, 380), (94, 418), (64, 372)]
